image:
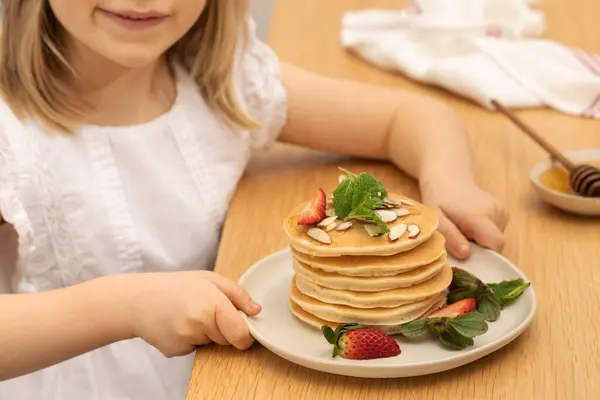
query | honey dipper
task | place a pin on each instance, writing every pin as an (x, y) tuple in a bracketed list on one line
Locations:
[(583, 179)]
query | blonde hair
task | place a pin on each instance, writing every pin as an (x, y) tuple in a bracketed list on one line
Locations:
[(37, 81)]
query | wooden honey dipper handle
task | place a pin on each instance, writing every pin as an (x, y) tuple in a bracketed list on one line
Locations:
[(533, 135)]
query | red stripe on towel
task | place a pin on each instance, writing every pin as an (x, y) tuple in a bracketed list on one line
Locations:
[(494, 31), (418, 7), (591, 61), (414, 8), (594, 58), (593, 110)]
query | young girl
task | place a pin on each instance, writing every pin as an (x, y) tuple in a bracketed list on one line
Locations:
[(125, 126)]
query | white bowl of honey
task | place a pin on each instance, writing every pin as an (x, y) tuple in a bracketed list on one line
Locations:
[(551, 181)]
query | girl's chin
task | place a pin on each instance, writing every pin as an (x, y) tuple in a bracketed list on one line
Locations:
[(133, 60)]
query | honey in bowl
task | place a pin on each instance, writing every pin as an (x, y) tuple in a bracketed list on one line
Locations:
[(557, 178)]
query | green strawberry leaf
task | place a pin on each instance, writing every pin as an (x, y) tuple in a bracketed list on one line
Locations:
[(343, 328), (329, 334), (460, 294), (464, 279), (458, 338), (436, 325), (414, 328), (489, 305), (336, 351), (470, 325), (448, 341), (509, 291)]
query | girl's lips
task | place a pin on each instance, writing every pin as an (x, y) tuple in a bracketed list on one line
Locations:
[(134, 20)]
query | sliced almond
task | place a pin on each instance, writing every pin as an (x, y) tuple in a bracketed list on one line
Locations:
[(331, 226), (392, 201), (342, 178), (330, 212), (397, 231), (407, 203), (402, 212), (319, 235), (373, 230), (343, 226), (413, 231), (327, 221), (387, 215), (329, 202)]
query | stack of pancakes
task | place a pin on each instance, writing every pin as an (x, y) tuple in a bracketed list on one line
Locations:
[(370, 280)]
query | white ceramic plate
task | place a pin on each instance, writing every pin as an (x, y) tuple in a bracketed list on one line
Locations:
[(570, 203), (276, 328)]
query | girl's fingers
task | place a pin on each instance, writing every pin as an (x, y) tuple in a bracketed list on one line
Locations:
[(483, 231), (232, 325), (456, 243), (236, 294)]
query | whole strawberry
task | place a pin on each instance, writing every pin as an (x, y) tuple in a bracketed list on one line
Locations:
[(358, 342)]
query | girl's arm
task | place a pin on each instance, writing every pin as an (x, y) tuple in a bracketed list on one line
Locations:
[(173, 311), (41, 329), (419, 135)]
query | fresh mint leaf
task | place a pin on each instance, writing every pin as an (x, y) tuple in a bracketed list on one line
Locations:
[(509, 291), (342, 198), (366, 214), (366, 201), (358, 196), (414, 328), (368, 184), (349, 174), (470, 325)]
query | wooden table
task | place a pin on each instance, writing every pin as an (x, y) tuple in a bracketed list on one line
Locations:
[(557, 358)]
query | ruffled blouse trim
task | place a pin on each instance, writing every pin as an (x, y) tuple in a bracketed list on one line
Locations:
[(13, 210)]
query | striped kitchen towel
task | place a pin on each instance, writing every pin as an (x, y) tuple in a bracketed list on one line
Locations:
[(479, 49)]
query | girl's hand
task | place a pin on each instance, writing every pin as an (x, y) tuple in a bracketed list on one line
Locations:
[(175, 312), (466, 213)]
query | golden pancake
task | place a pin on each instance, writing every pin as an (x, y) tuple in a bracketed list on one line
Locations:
[(372, 316), (369, 283), (426, 253), (386, 298), (356, 241), (317, 322)]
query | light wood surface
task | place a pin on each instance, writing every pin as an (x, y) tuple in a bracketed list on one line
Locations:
[(557, 358)]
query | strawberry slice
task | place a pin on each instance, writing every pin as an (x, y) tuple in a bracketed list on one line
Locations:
[(314, 212), (455, 309)]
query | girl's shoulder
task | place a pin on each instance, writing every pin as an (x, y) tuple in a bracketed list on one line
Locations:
[(257, 75), (256, 79), (9, 120)]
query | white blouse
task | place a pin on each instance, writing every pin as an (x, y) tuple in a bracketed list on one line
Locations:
[(108, 200)]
